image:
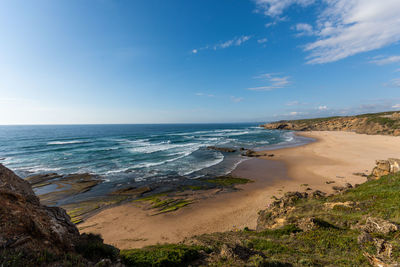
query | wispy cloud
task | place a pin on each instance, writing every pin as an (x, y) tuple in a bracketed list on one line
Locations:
[(296, 103), (262, 41), (347, 28), (304, 29), (275, 8), (323, 107), (275, 82), (203, 94), (293, 103), (344, 28), (237, 41), (393, 83), (385, 60), (396, 106), (270, 24), (237, 99)]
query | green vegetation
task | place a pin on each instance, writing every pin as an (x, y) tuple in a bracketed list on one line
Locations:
[(228, 181), (161, 255), (386, 123), (314, 120), (11, 258), (333, 239), (162, 203), (91, 247)]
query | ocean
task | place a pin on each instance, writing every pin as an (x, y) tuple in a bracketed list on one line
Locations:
[(121, 154)]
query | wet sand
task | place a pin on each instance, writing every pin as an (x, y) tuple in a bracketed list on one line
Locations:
[(335, 156)]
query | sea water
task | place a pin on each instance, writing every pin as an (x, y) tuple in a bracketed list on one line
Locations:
[(121, 154)]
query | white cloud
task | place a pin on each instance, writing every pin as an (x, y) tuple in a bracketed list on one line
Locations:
[(322, 108), (263, 40), (295, 113), (396, 106), (386, 60), (393, 83), (237, 41), (293, 103), (304, 29), (348, 27), (203, 94), (275, 82), (270, 24), (236, 99), (345, 28), (275, 8)]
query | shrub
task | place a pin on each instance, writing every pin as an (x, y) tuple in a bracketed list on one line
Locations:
[(161, 255)]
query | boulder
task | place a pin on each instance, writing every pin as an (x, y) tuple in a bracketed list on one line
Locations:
[(317, 194), (378, 225), (275, 215), (385, 167)]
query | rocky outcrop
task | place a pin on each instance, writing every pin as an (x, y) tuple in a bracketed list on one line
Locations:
[(27, 224), (385, 167), (67, 185), (276, 214), (378, 225), (32, 234), (387, 123), (222, 149)]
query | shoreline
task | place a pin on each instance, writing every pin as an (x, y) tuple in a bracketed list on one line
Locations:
[(333, 158)]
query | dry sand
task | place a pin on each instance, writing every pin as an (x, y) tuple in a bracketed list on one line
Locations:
[(334, 157)]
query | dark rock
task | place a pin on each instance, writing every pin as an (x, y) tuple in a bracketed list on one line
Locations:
[(254, 154), (311, 223), (338, 188), (41, 178), (360, 174), (134, 191), (222, 149), (317, 194), (348, 186)]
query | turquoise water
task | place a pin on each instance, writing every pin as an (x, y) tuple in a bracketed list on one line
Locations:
[(132, 153)]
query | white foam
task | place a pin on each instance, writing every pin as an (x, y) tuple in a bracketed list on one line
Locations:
[(38, 169), (219, 158), (162, 146), (66, 142)]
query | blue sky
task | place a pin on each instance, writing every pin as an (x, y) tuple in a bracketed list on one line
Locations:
[(157, 61)]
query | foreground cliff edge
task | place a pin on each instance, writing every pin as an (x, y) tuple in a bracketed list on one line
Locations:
[(354, 227)]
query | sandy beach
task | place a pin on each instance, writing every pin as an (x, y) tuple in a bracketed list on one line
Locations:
[(334, 157)]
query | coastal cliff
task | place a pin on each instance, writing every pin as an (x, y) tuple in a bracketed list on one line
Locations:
[(32, 234), (386, 123)]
